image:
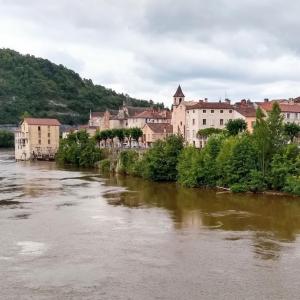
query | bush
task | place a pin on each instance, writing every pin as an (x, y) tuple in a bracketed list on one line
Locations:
[(239, 188), (292, 185), (104, 165), (78, 149), (188, 166), (6, 139), (127, 162), (160, 162)]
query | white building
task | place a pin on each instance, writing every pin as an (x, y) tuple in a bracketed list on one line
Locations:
[(206, 115)]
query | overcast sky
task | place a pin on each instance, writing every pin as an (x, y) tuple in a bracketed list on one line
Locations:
[(245, 49)]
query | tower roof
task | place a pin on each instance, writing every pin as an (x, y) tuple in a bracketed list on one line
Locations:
[(179, 92)]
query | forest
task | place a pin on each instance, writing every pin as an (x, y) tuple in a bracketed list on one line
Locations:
[(40, 88)]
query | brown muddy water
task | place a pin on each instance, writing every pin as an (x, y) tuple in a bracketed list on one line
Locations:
[(71, 234)]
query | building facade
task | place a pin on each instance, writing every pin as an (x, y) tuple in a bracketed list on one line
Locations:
[(155, 131), (37, 139), (204, 115)]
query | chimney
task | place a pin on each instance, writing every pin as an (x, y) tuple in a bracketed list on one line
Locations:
[(266, 100), (205, 99), (243, 101), (201, 101), (227, 101)]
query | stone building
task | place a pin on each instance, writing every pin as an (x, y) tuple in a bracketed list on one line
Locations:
[(155, 131), (37, 139)]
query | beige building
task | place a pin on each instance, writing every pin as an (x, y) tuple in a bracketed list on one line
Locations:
[(246, 110), (290, 109), (156, 131), (206, 115), (37, 139), (179, 108)]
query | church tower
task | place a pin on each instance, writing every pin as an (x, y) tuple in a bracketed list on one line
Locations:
[(178, 96)]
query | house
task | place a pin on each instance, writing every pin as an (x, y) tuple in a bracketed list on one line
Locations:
[(156, 131), (96, 118), (206, 114), (290, 109), (149, 116), (37, 139), (245, 109), (179, 108)]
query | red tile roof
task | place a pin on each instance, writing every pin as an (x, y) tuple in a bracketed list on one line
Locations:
[(179, 92), (245, 108), (210, 105), (152, 114), (160, 127), (47, 122), (267, 106)]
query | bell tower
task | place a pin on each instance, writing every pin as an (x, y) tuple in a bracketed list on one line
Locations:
[(178, 96)]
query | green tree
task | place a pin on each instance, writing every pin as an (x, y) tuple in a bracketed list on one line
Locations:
[(291, 130), (236, 126), (6, 139), (160, 161), (136, 133), (206, 132)]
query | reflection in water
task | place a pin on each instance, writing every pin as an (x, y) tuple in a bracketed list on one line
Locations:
[(77, 235), (270, 219)]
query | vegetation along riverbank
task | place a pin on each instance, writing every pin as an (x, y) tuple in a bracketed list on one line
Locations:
[(266, 160), (6, 139)]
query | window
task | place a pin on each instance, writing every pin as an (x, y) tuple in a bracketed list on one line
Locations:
[(40, 142), (204, 111), (296, 115), (48, 142), (204, 121), (230, 111), (180, 123), (212, 111), (39, 128), (48, 128), (288, 115), (193, 111), (193, 133), (221, 111), (221, 122), (48, 134), (193, 121), (252, 124)]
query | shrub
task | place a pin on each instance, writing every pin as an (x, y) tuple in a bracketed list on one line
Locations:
[(160, 162), (239, 188), (104, 165), (292, 185), (127, 162)]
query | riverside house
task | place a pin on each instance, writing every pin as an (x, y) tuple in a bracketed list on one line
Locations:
[(37, 139), (155, 131)]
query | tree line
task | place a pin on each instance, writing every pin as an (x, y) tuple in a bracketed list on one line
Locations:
[(234, 159), (7, 139)]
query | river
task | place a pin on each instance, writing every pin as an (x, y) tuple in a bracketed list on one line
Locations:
[(73, 234)]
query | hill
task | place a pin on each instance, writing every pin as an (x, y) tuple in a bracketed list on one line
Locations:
[(44, 89)]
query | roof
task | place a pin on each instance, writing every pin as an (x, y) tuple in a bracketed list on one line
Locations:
[(97, 114), (133, 110), (47, 122), (267, 106), (152, 114), (245, 108), (160, 127), (179, 92), (210, 105)]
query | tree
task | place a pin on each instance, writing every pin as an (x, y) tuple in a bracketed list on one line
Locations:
[(136, 133), (120, 134), (291, 130), (236, 126), (261, 139), (160, 161), (204, 133), (6, 139)]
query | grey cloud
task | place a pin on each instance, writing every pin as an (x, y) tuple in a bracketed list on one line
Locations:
[(147, 47)]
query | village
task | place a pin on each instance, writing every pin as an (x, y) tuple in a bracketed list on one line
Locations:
[(38, 138)]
